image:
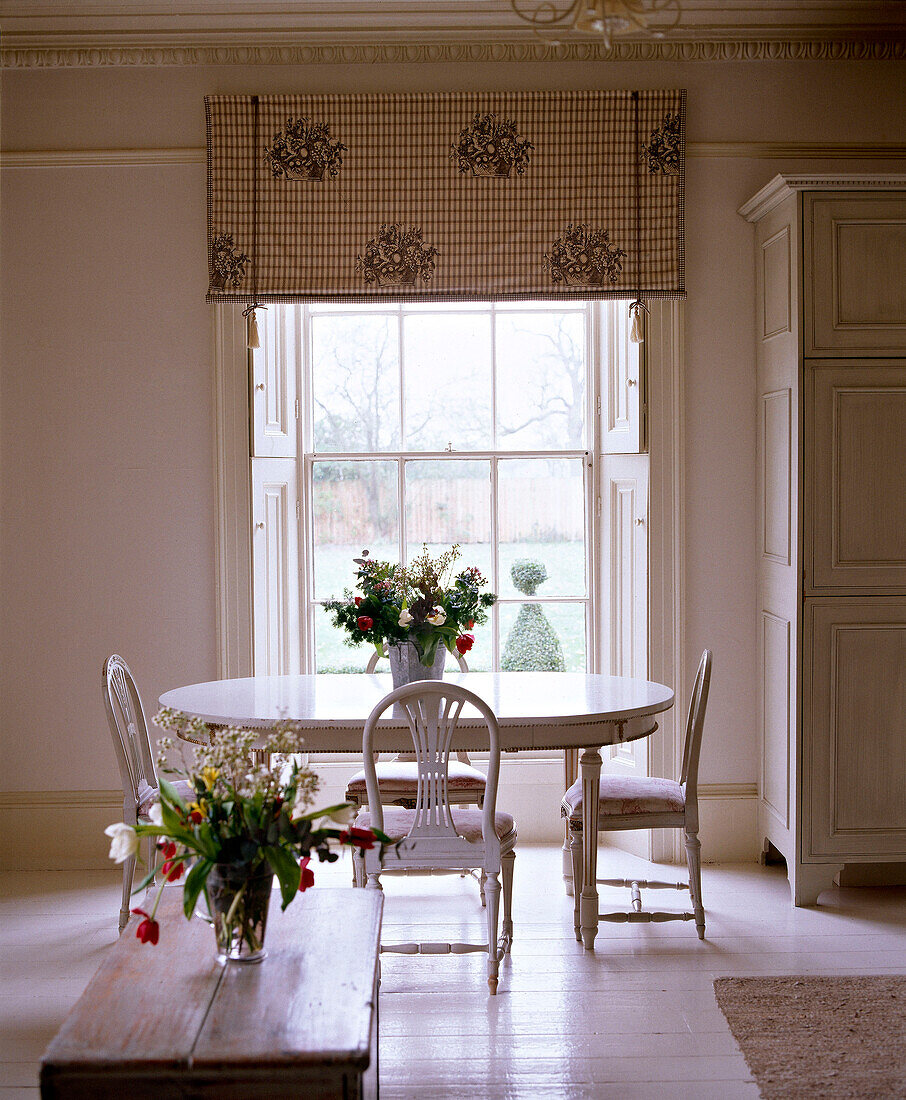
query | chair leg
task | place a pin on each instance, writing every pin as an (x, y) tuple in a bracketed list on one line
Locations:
[(128, 873), (508, 861), (482, 878), (694, 863), (575, 850), (358, 869), (492, 896)]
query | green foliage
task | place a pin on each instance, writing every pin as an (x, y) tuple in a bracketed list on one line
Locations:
[(532, 645), (527, 574)]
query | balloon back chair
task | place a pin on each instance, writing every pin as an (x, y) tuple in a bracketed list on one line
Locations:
[(129, 730), (638, 803), (398, 778), (435, 834)]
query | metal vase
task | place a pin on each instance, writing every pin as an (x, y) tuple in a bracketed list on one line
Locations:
[(406, 666)]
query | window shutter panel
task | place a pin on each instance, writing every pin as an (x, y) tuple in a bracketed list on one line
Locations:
[(621, 382), (275, 563), (624, 610), (275, 367)]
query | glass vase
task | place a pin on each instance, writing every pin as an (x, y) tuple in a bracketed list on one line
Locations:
[(406, 666), (238, 898)]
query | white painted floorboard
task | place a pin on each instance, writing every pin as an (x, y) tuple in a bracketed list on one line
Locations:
[(635, 1019)]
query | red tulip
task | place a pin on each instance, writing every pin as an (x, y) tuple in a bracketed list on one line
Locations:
[(306, 877), (464, 643), (357, 600), (364, 623), (172, 871), (359, 838), (148, 929), (167, 848)]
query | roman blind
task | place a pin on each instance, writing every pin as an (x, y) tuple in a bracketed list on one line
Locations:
[(411, 197)]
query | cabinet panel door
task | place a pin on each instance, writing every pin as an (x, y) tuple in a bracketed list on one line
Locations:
[(853, 724), (856, 452), (856, 299)]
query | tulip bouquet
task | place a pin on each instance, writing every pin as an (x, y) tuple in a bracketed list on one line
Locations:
[(426, 603), (244, 814)]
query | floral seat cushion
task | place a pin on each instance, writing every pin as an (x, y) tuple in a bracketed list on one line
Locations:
[(626, 795), (467, 820), (401, 776), (183, 788)]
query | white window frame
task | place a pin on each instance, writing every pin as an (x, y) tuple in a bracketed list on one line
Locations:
[(666, 659), (309, 603)]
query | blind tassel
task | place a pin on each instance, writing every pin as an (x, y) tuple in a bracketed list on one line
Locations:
[(637, 330), (253, 340)]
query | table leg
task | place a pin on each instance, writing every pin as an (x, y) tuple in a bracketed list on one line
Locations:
[(570, 774), (588, 902)]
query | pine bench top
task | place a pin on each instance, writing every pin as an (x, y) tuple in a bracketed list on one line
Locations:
[(169, 1020)]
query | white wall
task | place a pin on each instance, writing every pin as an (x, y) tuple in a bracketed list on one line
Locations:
[(107, 534)]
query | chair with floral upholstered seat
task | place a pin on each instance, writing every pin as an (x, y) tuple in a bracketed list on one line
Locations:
[(129, 730), (627, 802)]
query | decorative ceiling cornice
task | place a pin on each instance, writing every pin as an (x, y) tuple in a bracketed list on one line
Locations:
[(97, 33), (19, 55)]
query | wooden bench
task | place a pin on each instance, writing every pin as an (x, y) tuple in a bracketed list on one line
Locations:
[(167, 1020)]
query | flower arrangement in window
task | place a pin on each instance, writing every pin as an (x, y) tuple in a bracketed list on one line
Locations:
[(304, 150), (489, 146), (425, 603), (248, 819), (585, 257), (397, 256)]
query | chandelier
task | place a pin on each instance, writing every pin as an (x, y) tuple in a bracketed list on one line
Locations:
[(603, 17)]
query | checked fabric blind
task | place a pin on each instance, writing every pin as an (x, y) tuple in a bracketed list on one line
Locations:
[(360, 198)]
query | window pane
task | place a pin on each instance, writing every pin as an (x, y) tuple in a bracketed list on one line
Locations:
[(541, 372), (449, 502), (354, 508), (447, 381), (547, 637), (541, 524), (355, 382), (331, 652)]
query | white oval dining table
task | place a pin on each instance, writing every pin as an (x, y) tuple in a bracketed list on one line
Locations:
[(535, 710)]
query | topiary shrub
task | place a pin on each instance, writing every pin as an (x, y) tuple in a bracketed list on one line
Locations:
[(532, 644)]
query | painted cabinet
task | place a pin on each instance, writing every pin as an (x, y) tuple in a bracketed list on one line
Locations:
[(831, 394)]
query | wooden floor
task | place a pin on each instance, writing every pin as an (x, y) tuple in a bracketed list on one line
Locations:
[(635, 1019)]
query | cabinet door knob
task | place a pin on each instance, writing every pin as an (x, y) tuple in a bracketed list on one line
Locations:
[(260, 386), (259, 526)]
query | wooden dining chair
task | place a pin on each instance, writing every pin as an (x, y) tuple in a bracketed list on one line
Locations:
[(436, 834), (627, 802), (129, 730), (398, 778)]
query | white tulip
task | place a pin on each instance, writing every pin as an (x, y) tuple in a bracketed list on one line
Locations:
[(156, 815), (405, 618), (343, 815), (438, 618), (123, 841)]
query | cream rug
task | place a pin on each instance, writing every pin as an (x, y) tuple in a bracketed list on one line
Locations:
[(806, 1037)]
